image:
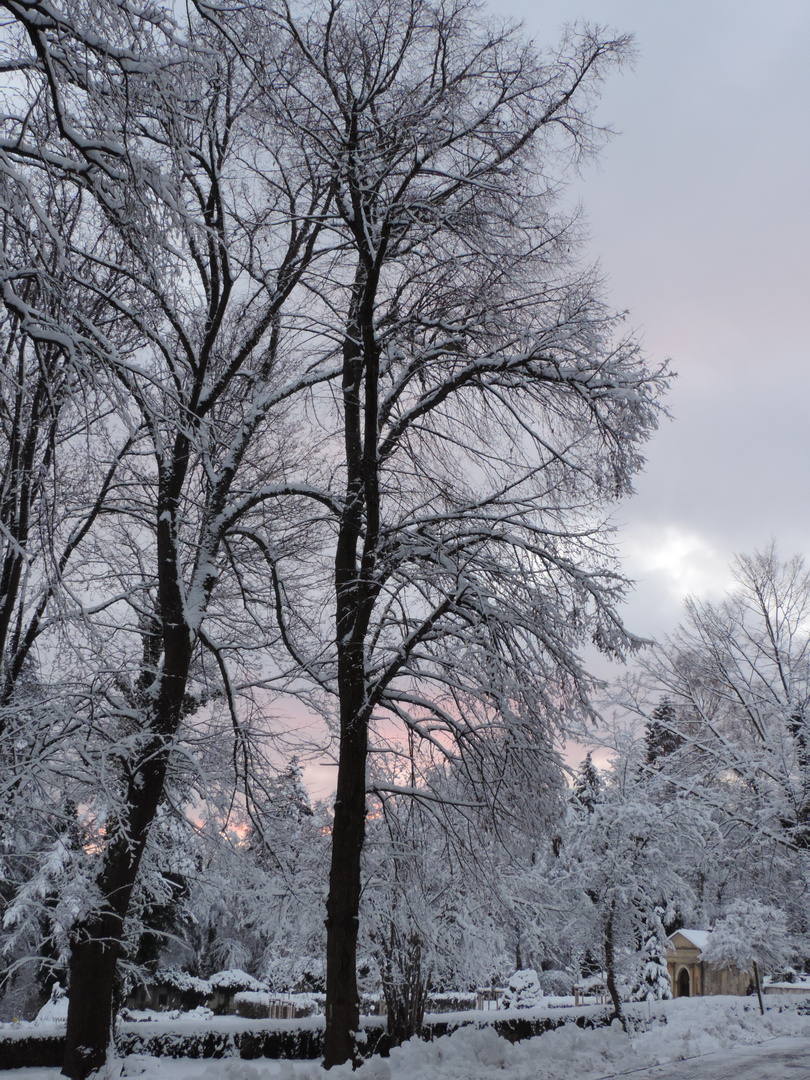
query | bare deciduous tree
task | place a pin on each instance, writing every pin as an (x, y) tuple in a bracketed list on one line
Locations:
[(487, 408), (207, 224)]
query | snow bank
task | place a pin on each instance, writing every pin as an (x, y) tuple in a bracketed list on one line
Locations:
[(679, 1029)]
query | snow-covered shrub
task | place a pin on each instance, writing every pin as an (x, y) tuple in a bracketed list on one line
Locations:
[(194, 991), (198, 1013), (254, 1004), (54, 1011), (556, 983), (257, 1005), (235, 980), (524, 990)]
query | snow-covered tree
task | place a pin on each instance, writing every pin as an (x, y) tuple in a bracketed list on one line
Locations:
[(426, 912), (623, 861), (368, 417), (653, 982), (193, 229), (523, 990), (750, 935), (661, 737), (587, 785), (736, 676), (488, 408), (725, 698)]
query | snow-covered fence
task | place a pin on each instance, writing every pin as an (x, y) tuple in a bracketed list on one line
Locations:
[(595, 994), (487, 997)]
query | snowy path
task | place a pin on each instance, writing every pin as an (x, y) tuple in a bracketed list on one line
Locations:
[(785, 1058)]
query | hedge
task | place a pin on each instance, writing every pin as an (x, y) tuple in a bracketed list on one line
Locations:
[(300, 1044)]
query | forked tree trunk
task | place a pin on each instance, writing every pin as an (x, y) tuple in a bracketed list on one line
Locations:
[(404, 985)]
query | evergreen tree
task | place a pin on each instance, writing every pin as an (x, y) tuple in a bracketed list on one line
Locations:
[(661, 737), (653, 982), (587, 786)]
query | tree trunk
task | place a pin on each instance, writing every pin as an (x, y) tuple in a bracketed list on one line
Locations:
[(610, 969), (759, 988), (354, 596), (96, 944), (343, 902), (92, 966)]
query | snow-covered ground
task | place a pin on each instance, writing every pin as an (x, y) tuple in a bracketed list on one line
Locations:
[(675, 1031)]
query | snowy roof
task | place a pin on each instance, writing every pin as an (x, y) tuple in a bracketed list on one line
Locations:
[(698, 938)]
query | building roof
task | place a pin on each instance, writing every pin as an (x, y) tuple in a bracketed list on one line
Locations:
[(698, 938)]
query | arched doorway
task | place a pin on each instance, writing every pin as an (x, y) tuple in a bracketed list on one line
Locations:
[(683, 982)]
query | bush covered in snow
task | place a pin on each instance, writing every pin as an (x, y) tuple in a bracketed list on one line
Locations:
[(184, 983), (556, 983), (235, 980), (523, 991), (452, 1001), (258, 1004), (54, 1011), (254, 1004)]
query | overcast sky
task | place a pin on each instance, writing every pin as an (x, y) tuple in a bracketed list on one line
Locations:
[(699, 213)]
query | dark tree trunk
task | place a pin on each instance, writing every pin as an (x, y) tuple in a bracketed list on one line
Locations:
[(354, 595), (93, 960), (343, 903), (759, 988), (96, 943)]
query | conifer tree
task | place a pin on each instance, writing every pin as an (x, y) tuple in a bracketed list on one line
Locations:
[(587, 786), (653, 982), (661, 737)]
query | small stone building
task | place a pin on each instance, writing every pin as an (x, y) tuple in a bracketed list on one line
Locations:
[(693, 977)]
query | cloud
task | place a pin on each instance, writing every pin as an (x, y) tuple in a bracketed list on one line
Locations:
[(677, 560), (668, 562)]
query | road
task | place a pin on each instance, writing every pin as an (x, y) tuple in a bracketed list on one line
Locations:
[(785, 1058)]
